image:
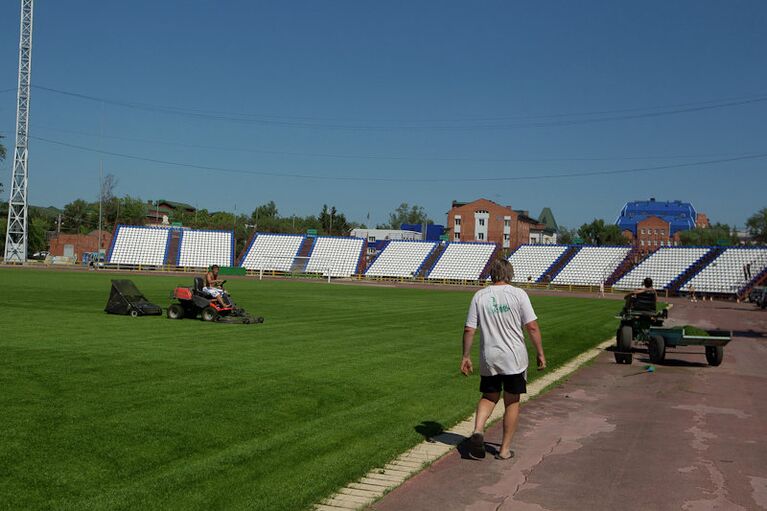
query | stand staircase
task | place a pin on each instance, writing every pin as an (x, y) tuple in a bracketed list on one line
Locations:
[(760, 280), (431, 260), (171, 258), (626, 266), (695, 268), (302, 257), (485, 273), (561, 261)]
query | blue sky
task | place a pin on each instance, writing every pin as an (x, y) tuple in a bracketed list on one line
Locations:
[(419, 102)]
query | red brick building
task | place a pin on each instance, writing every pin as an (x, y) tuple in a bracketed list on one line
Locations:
[(484, 220), (652, 233), (75, 245)]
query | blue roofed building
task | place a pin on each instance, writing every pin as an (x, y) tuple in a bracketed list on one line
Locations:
[(651, 224)]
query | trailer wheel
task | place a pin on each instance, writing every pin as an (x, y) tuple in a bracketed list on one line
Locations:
[(657, 349), (623, 343), (714, 355), (175, 311), (133, 313), (209, 314)]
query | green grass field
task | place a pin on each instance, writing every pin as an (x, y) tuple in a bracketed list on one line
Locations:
[(111, 412)]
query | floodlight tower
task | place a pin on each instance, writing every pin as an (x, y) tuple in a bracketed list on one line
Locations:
[(16, 236)]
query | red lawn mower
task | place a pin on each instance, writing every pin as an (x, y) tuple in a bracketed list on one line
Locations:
[(193, 302)]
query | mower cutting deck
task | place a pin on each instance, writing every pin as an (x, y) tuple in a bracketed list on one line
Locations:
[(193, 302)]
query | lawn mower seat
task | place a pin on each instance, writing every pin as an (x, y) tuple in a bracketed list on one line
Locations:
[(645, 302), (199, 284)]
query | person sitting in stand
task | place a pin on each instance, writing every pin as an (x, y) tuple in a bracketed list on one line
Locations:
[(214, 286)]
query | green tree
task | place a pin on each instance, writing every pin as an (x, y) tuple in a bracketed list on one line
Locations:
[(130, 211), (78, 217), (332, 222), (2, 157), (3, 228), (566, 236), (266, 218), (717, 234), (598, 233), (38, 234), (406, 214), (757, 226)]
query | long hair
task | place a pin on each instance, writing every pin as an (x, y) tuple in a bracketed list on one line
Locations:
[(501, 271)]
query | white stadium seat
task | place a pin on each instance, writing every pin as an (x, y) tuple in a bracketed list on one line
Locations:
[(272, 252), (401, 259), (138, 245), (727, 273), (200, 249), (462, 261), (663, 266), (533, 260), (336, 257), (592, 265)]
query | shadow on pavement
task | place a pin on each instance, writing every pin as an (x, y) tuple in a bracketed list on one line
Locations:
[(750, 334), (672, 362)]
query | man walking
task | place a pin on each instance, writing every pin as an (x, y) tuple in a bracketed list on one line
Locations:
[(501, 311)]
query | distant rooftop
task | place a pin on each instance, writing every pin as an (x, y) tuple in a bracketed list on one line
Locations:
[(680, 215)]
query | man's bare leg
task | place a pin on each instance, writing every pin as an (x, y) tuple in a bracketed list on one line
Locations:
[(484, 409), (510, 417)]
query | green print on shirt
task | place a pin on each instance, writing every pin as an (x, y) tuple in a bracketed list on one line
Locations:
[(498, 309)]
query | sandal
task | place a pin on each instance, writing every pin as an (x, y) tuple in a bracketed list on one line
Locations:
[(504, 458)]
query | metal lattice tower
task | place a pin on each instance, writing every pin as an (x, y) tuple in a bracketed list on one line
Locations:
[(16, 236)]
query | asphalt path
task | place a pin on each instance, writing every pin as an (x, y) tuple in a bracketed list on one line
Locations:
[(686, 436)]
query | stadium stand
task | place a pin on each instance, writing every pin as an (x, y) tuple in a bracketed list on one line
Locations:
[(136, 245), (335, 257), (401, 259), (200, 249), (272, 252), (533, 260), (463, 261), (663, 266), (592, 265), (733, 270)]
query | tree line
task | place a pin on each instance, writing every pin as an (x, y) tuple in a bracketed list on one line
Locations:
[(82, 217)]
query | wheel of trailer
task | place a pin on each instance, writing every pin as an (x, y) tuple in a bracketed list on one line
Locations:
[(657, 349), (175, 311), (714, 355), (209, 314), (133, 313), (623, 344)]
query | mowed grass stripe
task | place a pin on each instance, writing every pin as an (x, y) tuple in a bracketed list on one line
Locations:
[(109, 412)]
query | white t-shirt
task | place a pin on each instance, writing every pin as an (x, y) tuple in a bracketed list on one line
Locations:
[(501, 312)]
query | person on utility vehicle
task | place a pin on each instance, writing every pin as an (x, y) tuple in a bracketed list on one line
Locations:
[(213, 285), (644, 297)]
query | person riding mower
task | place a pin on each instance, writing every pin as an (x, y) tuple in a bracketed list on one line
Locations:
[(195, 301)]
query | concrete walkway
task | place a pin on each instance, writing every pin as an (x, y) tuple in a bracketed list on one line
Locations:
[(687, 436)]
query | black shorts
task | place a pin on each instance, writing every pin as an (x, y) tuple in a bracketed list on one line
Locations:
[(511, 383)]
